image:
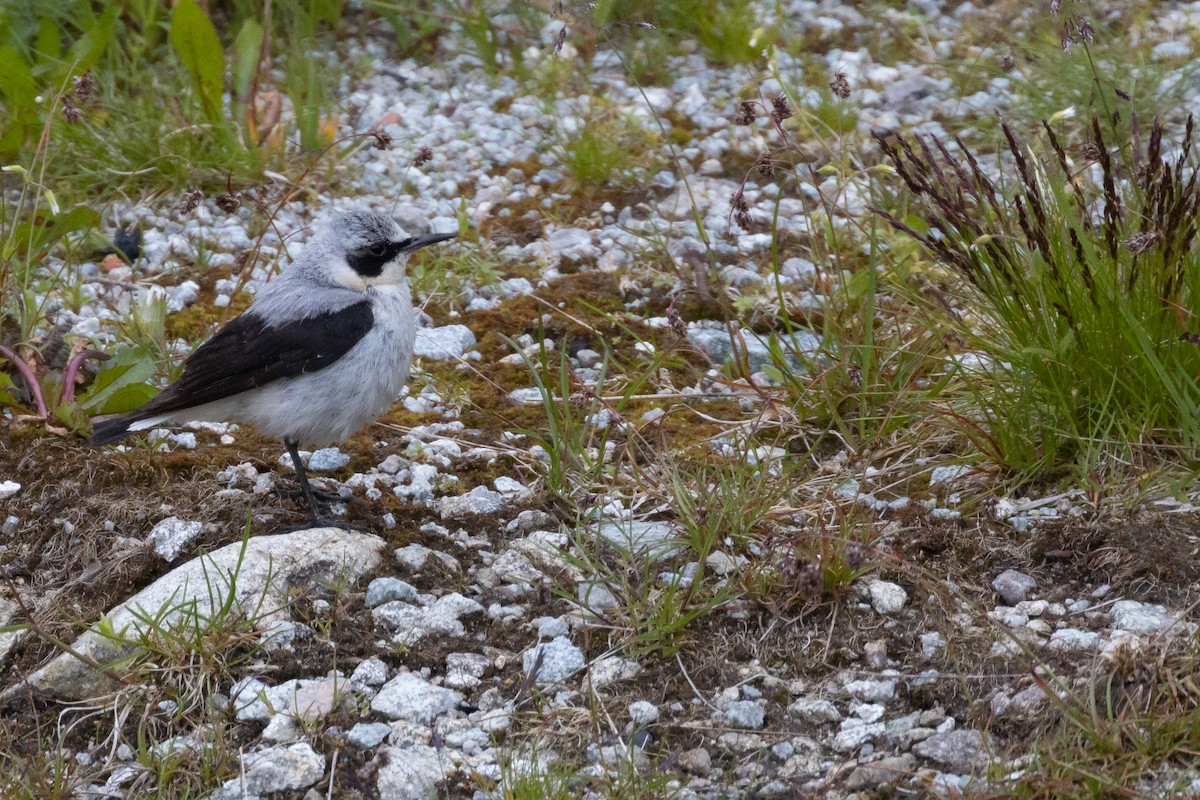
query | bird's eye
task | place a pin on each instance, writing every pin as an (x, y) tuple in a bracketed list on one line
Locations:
[(379, 250)]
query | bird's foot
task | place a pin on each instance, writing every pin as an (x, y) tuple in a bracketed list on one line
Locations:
[(297, 493), (325, 522)]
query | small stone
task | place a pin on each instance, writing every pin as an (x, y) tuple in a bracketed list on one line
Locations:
[(370, 672), (281, 768), (172, 535), (643, 712), (881, 773), (1013, 586), (411, 772), (697, 761), (854, 733), (611, 669), (1144, 618), (366, 735), (962, 751), (555, 660), (327, 459), (745, 714), (447, 343), (412, 698), (872, 691), (464, 670), (941, 475), (480, 500), (887, 597), (814, 711), (383, 590), (1071, 640), (932, 644)]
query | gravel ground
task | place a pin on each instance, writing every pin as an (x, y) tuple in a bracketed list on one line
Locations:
[(473, 636)]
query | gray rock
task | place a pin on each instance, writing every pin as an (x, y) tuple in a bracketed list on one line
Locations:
[(697, 761), (1013, 586), (371, 672), (447, 343), (464, 670), (872, 691), (172, 535), (410, 773), (904, 95), (276, 769), (327, 459), (560, 659), (412, 698), (950, 474), (962, 751), (301, 698), (745, 714), (1071, 640), (573, 244), (1144, 618), (596, 596), (887, 597), (881, 773), (854, 733), (263, 573), (611, 669), (480, 500), (716, 343), (410, 623), (383, 590), (814, 711), (932, 644), (417, 558), (365, 735), (643, 712), (655, 540)]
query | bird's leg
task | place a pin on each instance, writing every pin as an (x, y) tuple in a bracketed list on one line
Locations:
[(291, 446)]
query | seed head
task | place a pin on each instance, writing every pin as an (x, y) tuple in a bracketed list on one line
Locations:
[(562, 39), (678, 326), (840, 85), (739, 210), (766, 164), (423, 156), (84, 85), (1085, 29), (382, 140), (1141, 242), (71, 112), (746, 113), (190, 200), (229, 202), (780, 110)]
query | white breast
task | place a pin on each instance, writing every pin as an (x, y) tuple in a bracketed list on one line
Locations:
[(332, 405)]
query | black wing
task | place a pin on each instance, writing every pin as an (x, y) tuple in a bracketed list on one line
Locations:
[(247, 353)]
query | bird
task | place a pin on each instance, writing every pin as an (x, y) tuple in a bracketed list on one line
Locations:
[(322, 351)]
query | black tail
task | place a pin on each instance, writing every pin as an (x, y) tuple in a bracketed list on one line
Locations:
[(111, 430)]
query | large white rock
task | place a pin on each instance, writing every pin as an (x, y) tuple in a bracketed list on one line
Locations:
[(258, 573)]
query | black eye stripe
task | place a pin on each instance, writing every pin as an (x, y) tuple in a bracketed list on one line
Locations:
[(369, 263)]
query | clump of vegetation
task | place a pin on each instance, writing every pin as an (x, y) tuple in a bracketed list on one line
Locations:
[(1080, 280)]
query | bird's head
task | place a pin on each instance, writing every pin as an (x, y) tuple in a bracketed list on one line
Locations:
[(364, 248)]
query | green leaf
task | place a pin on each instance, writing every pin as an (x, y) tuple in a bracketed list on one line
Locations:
[(17, 84), (49, 40), (195, 41), (86, 52), (247, 48), (123, 384), (6, 383)]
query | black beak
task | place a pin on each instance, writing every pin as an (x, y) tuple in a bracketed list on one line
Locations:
[(417, 242)]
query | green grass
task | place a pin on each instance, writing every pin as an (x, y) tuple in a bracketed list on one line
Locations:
[(1078, 288)]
